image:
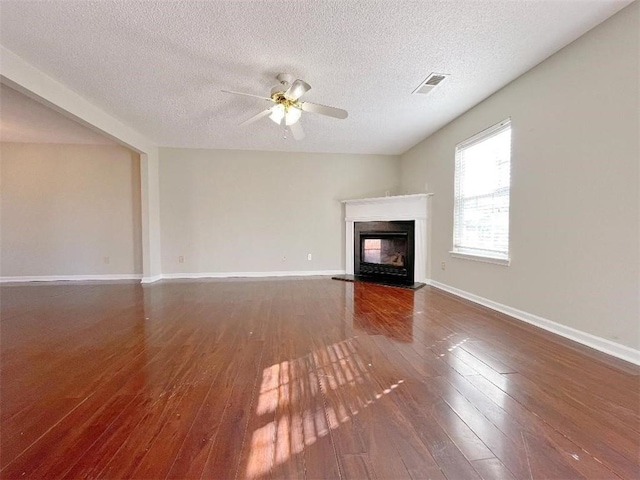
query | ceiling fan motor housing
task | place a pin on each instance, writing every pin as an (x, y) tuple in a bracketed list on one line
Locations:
[(285, 78)]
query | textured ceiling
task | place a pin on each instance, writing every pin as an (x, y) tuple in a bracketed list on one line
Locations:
[(160, 66), (24, 120)]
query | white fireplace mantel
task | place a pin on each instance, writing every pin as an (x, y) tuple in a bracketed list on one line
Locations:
[(386, 209)]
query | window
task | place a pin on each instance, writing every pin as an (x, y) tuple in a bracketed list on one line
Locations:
[(482, 182)]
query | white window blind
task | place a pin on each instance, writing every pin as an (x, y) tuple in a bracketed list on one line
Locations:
[(482, 183)]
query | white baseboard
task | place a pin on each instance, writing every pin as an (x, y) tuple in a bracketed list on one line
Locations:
[(72, 278), (152, 279), (155, 278), (602, 344), (306, 273)]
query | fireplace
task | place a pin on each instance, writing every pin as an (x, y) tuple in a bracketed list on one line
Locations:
[(389, 224), (384, 251)]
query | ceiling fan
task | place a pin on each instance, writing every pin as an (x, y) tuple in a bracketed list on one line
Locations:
[(288, 107)]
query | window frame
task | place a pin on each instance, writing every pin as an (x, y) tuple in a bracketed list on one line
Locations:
[(481, 255)]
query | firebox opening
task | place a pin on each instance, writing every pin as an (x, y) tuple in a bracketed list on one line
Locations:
[(384, 251)]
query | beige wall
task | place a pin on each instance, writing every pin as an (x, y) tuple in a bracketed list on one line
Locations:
[(24, 77), (243, 211), (66, 207), (574, 200)]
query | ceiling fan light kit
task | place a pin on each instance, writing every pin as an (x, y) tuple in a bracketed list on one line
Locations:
[(288, 107), (291, 114)]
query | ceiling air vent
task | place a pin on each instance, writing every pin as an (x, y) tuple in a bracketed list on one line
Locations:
[(431, 82)]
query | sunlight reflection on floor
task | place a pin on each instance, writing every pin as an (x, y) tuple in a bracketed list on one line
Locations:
[(299, 406)]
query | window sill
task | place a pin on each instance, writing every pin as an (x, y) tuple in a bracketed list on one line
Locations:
[(479, 258)]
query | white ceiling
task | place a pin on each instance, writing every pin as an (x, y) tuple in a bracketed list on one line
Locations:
[(24, 120), (159, 66)]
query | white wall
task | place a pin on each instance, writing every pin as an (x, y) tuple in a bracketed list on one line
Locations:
[(66, 207), (150, 206), (245, 211), (575, 181)]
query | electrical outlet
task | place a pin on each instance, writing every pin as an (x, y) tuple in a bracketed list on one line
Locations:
[(106, 260), (180, 259), (443, 265), (309, 256)]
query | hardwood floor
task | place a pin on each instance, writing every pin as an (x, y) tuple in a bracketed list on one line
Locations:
[(300, 378)]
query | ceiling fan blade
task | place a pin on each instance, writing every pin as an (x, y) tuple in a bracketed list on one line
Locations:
[(297, 89), (256, 117), (324, 110), (248, 95), (297, 131)]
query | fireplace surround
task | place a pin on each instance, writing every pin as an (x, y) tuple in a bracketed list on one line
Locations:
[(400, 208)]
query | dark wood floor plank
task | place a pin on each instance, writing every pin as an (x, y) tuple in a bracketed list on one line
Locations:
[(275, 432), (606, 399), (169, 377), (101, 391), (509, 449), (64, 440), (450, 459), (160, 410), (533, 424), (584, 429), (415, 455), (319, 451), (538, 347), (299, 378), (481, 353), (223, 458), (464, 438), (321, 458), (39, 416), (333, 376), (357, 466), (456, 388), (493, 469), (386, 461), (426, 364), (226, 382), (219, 375), (75, 385), (36, 401), (93, 460)]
